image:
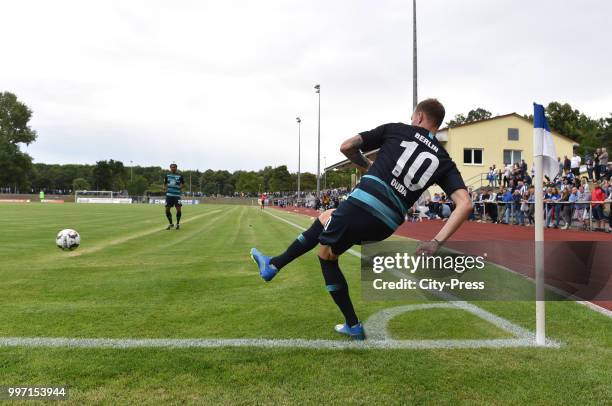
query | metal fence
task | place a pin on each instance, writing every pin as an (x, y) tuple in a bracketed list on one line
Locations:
[(523, 212)]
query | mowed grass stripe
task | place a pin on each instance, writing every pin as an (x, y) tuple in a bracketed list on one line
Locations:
[(117, 240)]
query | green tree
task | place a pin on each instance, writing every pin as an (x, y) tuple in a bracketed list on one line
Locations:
[(15, 165), (266, 175), (138, 186), (336, 179), (249, 182), (472, 116), (280, 180), (109, 175), (80, 184), (308, 181), (605, 136)]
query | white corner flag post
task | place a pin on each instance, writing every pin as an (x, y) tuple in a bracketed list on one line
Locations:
[(545, 162)]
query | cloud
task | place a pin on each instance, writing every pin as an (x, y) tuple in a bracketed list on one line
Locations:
[(219, 84)]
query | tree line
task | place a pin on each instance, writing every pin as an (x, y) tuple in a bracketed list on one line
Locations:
[(18, 172), (112, 175)]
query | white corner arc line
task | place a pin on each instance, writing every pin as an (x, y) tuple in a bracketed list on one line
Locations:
[(451, 302)]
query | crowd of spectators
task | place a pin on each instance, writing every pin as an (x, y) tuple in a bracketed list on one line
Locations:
[(579, 196)]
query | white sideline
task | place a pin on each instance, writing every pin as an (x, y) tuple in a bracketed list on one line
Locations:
[(376, 327)]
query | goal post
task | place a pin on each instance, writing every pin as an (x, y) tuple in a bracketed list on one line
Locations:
[(100, 196)]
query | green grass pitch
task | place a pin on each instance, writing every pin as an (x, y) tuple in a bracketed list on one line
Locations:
[(132, 279)]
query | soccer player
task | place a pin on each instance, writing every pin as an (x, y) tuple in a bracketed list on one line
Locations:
[(173, 183), (410, 160)]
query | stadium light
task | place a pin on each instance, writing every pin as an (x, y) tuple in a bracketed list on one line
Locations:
[(318, 91), (299, 122)]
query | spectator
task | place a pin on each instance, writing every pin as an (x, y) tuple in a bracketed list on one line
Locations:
[(517, 198), (575, 164), (527, 179), (598, 197), (434, 207), (565, 209), (560, 173), (507, 174), (590, 166), (531, 204), (521, 187), (475, 206), (567, 165), (596, 163), (523, 167), (507, 199), (553, 206), (491, 176), (581, 211), (603, 162), (585, 185), (489, 206), (565, 183)]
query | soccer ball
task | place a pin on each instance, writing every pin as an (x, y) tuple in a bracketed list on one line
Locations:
[(68, 239)]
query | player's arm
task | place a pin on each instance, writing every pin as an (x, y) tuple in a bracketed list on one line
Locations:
[(454, 187), (354, 147), (351, 148), (463, 208)]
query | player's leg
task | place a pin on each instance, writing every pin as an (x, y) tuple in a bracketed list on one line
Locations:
[(348, 225), (306, 241), (338, 289), (178, 215), (169, 214)]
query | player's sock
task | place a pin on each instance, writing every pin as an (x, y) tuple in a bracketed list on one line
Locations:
[(169, 216), (338, 289), (178, 218), (301, 245)]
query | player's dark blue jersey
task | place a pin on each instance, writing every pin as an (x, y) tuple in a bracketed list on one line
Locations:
[(409, 161)]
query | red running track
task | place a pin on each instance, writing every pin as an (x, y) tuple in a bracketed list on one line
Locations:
[(473, 231)]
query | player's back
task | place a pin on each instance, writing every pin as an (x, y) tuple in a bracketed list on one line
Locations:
[(409, 161)]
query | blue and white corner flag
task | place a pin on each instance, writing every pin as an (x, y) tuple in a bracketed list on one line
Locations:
[(545, 163), (543, 142)]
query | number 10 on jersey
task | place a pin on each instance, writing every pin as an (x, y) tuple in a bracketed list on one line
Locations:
[(409, 179)]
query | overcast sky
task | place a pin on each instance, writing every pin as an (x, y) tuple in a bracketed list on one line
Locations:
[(218, 84)]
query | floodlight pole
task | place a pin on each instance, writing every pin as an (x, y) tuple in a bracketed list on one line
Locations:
[(299, 122), (415, 99), (318, 91), (324, 173)]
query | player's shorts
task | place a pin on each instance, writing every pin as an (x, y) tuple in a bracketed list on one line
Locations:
[(350, 224), (173, 201)]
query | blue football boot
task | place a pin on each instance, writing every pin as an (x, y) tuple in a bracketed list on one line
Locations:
[(356, 332), (267, 271)]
